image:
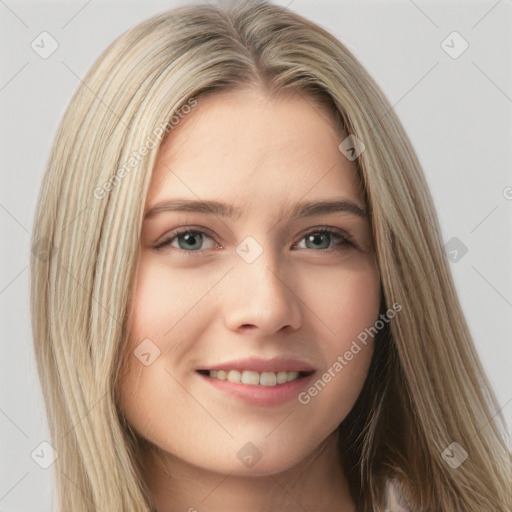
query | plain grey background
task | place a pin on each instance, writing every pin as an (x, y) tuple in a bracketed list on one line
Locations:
[(457, 110)]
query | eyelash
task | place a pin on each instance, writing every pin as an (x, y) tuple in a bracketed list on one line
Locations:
[(345, 239)]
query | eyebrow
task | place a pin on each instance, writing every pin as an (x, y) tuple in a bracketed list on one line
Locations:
[(222, 209)]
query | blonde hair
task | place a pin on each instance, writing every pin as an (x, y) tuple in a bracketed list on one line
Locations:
[(426, 387)]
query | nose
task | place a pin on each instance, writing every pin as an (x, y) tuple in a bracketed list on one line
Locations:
[(261, 297)]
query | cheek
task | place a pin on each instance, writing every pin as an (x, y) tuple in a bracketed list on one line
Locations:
[(158, 321), (163, 299), (346, 301), (348, 304)]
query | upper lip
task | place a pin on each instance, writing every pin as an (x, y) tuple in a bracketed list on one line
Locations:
[(256, 364)]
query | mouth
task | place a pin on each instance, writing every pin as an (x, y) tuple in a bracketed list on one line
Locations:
[(254, 378), (257, 381)]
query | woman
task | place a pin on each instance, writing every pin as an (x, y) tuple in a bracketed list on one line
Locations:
[(246, 302)]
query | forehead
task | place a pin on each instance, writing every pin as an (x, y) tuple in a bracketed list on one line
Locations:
[(243, 146)]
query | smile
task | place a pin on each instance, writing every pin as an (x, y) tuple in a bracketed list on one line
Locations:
[(253, 378)]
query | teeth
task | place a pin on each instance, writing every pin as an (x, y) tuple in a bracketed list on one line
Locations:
[(234, 376), (254, 378), (250, 378), (282, 377), (268, 379)]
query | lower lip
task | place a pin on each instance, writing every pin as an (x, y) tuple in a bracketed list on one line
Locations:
[(261, 395)]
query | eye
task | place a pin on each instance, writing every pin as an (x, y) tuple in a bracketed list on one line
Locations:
[(321, 238), (188, 240)]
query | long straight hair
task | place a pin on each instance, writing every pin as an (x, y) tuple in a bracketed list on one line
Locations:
[(426, 387)]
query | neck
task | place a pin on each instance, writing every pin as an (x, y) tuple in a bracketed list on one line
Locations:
[(318, 483)]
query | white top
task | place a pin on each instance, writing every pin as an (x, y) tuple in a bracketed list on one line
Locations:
[(395, 502)]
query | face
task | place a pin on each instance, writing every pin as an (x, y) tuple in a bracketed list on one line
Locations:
[(246, 310)]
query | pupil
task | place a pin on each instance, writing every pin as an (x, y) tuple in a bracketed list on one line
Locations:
[(315, 237), (189, 239)]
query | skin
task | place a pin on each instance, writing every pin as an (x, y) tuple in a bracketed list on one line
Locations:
[(304, 299)]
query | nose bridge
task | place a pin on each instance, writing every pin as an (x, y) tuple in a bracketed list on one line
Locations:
[(261, 293), (264, 274)]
